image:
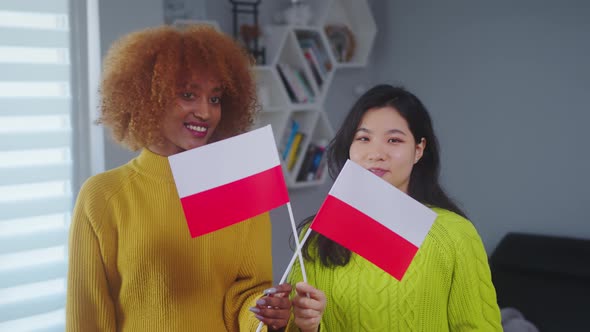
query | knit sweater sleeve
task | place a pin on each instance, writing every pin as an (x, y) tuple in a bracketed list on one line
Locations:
[(254, 275), (472, 299), (89, 305)]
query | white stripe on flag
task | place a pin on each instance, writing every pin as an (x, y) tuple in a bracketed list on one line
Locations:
[(228, 160), (383, 202)]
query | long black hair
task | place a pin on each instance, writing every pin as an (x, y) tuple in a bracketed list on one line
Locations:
[(424, 183)]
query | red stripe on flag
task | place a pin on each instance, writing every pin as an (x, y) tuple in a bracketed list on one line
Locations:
[(363, 235), (234, 202)]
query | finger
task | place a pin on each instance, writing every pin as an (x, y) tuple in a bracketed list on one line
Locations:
[(308, 323), (304, 302), (275, 324), (306, 313), (271, 313), (274, 302), (279, 290), (264, 312), (275, 318), (303, 289)]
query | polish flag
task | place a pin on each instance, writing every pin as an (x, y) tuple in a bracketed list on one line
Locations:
[(229, 181), (374, 219)]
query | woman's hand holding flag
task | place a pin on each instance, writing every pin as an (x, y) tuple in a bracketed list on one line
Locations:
[(274, 308)]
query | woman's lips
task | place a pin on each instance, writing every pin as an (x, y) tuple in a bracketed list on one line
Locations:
[(197, 129), (378, 171)]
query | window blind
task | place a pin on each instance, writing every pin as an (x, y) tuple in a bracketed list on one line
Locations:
[(35, 163)]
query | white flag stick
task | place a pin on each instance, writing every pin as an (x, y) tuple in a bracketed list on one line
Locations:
[(296, 254), (297, 244)]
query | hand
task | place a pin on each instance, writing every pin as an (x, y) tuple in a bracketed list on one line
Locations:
[(274, 308), (308, 311)]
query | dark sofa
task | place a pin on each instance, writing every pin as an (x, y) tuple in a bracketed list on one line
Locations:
[(547, 278)]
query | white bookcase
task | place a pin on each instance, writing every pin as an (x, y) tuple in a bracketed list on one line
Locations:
[(291, 88)]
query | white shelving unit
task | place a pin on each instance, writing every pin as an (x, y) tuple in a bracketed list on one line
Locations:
[(291, 88)]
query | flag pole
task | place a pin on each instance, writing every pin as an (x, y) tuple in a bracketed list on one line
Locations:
[(296, 254), (297, 244)]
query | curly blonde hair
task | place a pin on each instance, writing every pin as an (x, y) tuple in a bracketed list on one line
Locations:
[(143, 69)]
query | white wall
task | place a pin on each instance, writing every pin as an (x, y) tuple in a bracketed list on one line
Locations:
[(507, 84)]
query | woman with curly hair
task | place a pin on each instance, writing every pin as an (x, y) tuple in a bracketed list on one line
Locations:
[(132, 264)]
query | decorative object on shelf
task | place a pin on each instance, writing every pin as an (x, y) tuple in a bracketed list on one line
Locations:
[(175, 10), (342, 41), (298, 13), (249, 33), (182, 23)]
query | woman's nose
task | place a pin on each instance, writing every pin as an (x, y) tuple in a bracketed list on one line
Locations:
[(202, 109), (376, 153)]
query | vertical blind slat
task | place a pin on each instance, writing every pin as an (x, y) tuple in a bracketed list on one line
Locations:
[(34, 140), (34, 106), (54, 6), (42, 206), (32, 274), (37, 306), (38, 173), (34, 72), (34, 240), (34, 38)]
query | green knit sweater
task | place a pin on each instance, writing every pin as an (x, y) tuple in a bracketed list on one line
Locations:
[(447, 287)]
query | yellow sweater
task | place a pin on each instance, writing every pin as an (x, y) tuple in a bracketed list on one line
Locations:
[(447, 287), (134, 267)]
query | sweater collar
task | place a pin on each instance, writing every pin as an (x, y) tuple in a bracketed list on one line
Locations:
[(153, 165)]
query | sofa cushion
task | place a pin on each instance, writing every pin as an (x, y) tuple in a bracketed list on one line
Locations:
[(547, 278)]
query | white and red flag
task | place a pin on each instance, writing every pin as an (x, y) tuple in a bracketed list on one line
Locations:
[(229, 181), (374, 219)]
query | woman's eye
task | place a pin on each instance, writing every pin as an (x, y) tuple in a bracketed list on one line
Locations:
[(395, 140), (215, 100), (187, 95), (362, 138)]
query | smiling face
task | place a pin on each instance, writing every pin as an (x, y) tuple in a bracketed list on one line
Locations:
[(194, 116), (384, 144)]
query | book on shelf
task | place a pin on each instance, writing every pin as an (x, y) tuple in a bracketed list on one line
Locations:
[(313, 162), (294, 150), (307, 162), (288, 87), (309, 92), (295, 81), (291, 83), (287, 139), (321, 166), (314, 65), (325, 65)]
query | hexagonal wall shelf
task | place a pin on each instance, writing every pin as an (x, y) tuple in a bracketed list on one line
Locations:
[(294, 84), (351, 29)]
